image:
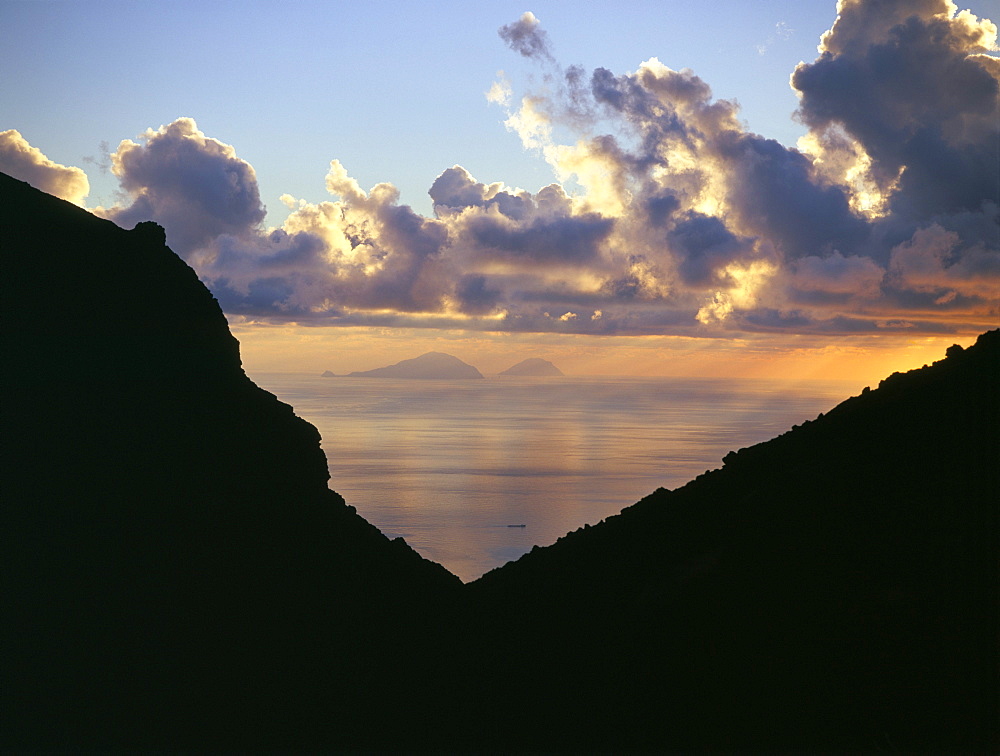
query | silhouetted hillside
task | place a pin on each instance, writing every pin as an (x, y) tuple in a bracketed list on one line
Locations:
[(430, 365), (533, 366), (177, 572), (835, 587)]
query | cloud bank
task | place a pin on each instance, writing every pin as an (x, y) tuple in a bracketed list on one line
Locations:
[(665, 216)]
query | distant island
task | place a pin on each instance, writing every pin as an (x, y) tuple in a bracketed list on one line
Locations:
[(430, 365), (328, 374), (535, 367)]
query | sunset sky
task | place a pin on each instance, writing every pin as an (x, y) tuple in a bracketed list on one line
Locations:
[(760, 189)]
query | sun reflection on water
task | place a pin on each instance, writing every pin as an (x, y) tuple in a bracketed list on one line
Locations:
[(451, 465)]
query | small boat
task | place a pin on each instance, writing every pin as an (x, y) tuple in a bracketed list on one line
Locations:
[(517, 526)]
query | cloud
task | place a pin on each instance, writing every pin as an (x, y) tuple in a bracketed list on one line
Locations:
[(706, 248), (455, 190), (932, 262), (909, 84), (695, 148), (782, 31), (193, 185), (853, 276), (22, 161), (665, 215), (363, 251), (499, 92), (571, 238), (497, 223), (525, 37), (902, 109)]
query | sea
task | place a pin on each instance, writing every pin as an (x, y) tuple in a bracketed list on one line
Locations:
[(474, 473)]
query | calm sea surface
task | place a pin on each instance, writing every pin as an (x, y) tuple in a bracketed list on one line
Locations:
[(451, 465)]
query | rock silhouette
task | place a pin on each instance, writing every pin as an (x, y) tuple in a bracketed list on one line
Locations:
[(427, 366), (533, 366), (178, 576), (176, 560), (833, 588)]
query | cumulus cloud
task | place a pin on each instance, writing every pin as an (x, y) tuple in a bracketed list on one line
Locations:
[(499, 224), (902, 110), (909, 84), (193, 185), (361, 252), (665, 214), (22, 161)]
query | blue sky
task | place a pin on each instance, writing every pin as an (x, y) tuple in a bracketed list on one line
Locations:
[(644, 181)]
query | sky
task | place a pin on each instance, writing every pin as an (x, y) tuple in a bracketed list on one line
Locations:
[(769, 189)]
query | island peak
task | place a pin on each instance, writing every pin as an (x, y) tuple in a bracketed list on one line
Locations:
[(436, 365), (533, 367)]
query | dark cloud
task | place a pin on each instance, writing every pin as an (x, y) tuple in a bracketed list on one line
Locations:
[(776, 196), (660, 205), (572, 238), (454, 190), (908, 82), (640, 278), (275, 251), (525, 37), (371, 252), (492, 223), (625, 321), (771, 188), (366, 251), (705, 247), (905, 132), (194, 186), (263, 296), (765, 320), (476, 296)]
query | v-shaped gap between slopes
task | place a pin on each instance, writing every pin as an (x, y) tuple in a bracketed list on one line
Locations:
[(447, 465)]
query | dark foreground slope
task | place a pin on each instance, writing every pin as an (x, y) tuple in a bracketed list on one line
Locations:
[(835, 587), (176, 574), (175, 570)]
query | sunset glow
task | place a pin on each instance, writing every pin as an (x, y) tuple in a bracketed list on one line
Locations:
[(863, 361)]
